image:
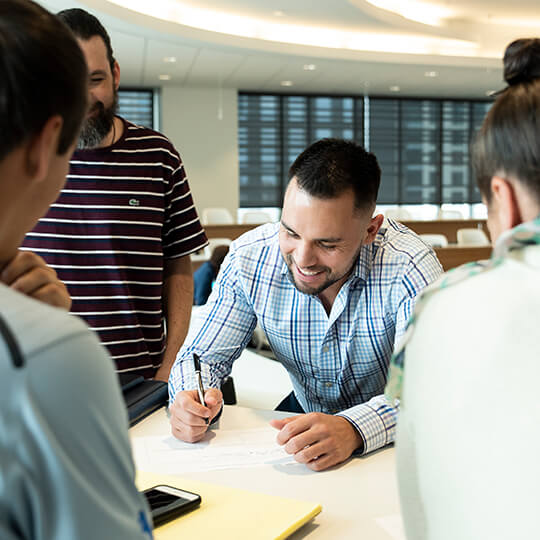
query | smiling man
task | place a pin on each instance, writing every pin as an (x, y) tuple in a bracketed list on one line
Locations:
[(333, 288), (121, 233)]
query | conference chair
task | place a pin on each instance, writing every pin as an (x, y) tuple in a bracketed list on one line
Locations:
[(216, 216), (256, 217), (434, 240), (472, 237), (398, 214), (449, 214)]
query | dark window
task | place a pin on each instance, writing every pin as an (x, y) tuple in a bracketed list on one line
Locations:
[(422, 145), (137, 106)]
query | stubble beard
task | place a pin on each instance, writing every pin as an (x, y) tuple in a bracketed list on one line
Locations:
[(313, 291), (330, 279)]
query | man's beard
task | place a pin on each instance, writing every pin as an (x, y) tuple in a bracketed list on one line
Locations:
[(314, 291), (96, 127)]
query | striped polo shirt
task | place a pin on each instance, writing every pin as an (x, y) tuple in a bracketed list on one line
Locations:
[(124, 209)]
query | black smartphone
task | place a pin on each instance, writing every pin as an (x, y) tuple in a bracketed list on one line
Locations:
[(168, 503)]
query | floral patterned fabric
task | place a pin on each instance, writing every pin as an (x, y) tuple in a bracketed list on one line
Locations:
[(519, 237)]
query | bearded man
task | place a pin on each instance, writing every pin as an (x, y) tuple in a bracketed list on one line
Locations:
[(121, 233)]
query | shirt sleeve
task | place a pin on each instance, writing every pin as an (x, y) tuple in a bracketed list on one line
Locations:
[(182, 230), (202, 283), (376, 419), (220, 331), (83, 473)]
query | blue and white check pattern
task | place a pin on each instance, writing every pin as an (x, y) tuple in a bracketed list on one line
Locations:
[(338, 362)]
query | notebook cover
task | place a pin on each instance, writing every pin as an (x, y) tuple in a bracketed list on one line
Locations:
[(231, 514), (144, 398)]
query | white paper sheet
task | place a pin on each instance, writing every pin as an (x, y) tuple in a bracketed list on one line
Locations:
[(221, 449), (393, 525)]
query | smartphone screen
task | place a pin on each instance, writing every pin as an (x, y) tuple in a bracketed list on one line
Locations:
[(167, 503)]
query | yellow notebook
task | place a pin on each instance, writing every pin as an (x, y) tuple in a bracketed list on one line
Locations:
[(229, 513)]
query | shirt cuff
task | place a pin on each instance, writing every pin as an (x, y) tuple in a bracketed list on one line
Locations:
[(375, 421)]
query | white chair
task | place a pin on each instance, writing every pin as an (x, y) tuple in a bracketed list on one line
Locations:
[(216, 216), (449, 214), (256, 217), (206, 253), (434, 240), (472, 237), (398, 214)]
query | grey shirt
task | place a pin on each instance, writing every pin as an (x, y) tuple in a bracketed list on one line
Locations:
[(66, 470)]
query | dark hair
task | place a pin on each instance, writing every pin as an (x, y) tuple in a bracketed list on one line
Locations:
[(219, 253), (522, 61), (85, 26), (509, 140), (42, 73), (329, 167)]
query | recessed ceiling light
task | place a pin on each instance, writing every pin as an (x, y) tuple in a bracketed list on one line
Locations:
[(278, 13), (286, 83), (310, 67), (395, 88), (169, 59), (431, 74), (164, 77)]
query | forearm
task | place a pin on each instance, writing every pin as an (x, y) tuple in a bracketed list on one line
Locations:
[(219, 332), (178, 300)]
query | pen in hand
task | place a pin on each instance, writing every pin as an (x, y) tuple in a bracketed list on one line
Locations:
[(200, 387)]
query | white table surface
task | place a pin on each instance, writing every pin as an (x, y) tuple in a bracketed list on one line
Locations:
[(359, 498)]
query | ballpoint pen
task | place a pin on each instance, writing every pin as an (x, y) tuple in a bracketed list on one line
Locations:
[(200, 387)]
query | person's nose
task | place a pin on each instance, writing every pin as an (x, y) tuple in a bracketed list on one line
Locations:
[(304, 255)]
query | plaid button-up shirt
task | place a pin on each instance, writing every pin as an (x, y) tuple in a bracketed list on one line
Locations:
[(337, 362)]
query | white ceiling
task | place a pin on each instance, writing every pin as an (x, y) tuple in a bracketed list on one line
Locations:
[(210, 59)]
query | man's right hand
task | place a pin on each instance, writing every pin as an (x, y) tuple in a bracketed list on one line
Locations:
[(188, 415)]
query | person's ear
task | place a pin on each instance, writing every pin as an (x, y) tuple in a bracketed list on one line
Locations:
[(42, 147), (504, 195), (373, 228), (116, 75)]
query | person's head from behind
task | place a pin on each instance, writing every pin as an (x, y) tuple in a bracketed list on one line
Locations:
[(506, 152), (43, 81), (328, 213), (104, 75), (217, 257)]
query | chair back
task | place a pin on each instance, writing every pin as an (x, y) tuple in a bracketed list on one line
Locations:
[(256, 217), (449, 214), (472, 237), (434, 240), (398, 214), (216, 216)]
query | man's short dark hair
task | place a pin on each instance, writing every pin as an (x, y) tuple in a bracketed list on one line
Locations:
[(330, 167), (42, 73), (85, 26)]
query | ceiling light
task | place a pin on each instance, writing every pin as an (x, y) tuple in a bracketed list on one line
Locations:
[(310, 67), (431, 74), (164, 77), (489, 93), (169, 59), (395, 88), (286, 83), (212, 20), (421, 11), (278, 13)]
